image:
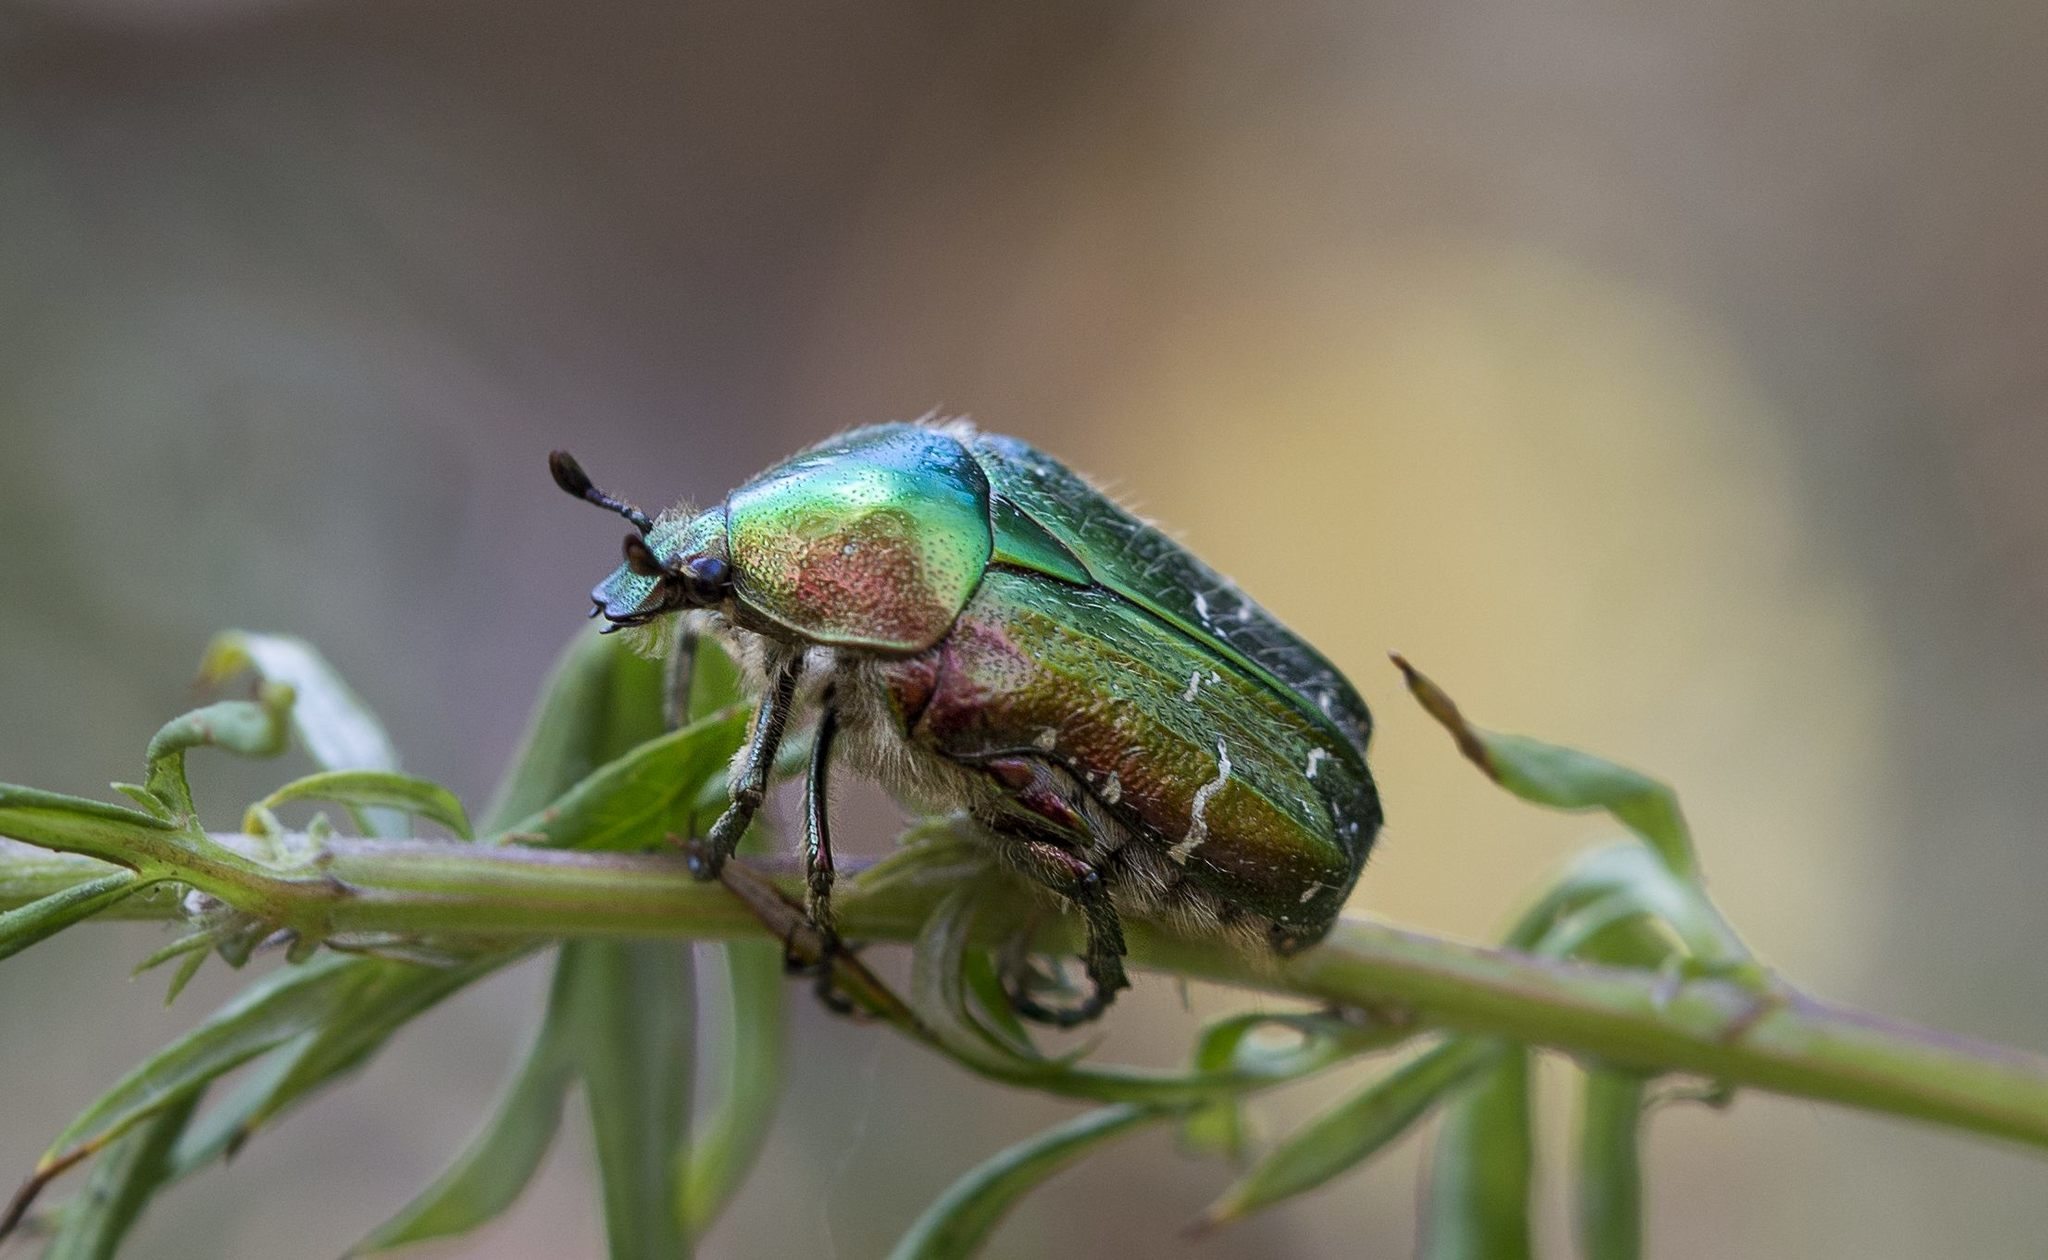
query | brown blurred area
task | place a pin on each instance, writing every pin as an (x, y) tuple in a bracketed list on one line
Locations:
[(1665, 379)]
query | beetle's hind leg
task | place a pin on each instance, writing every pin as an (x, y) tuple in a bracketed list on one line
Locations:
[(1047, 836), (1070, 875)]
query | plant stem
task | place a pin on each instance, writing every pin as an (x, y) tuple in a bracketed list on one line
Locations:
[(1765, 1037)]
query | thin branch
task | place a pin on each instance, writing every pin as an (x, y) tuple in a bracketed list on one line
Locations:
[(1771, 1038)]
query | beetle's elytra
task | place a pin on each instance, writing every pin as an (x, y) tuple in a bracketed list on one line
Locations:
[(979, 628)]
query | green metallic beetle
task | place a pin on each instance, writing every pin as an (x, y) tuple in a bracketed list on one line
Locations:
[(980, 629)]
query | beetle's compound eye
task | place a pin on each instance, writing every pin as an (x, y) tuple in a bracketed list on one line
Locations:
[(706, 579)]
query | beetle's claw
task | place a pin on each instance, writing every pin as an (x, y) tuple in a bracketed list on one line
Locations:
[(704, 859)]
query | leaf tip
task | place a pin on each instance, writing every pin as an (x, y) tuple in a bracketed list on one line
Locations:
[(1437, 702)]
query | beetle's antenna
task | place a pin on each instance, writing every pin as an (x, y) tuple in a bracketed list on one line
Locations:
[(570, 476)]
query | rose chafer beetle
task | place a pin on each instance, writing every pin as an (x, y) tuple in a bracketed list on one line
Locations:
[(980, 629)]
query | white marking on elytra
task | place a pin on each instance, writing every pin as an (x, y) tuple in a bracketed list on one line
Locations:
[(1315, 757), (1194, 685), (1309, 892), (1112, 789), (1323, 702), (1198, 826), (1202, 608), (1048, 739)]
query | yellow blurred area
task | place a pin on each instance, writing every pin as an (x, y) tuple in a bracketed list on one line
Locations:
[(1664, 381)]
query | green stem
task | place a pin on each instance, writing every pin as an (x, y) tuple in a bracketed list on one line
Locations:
[(1773, 1039)]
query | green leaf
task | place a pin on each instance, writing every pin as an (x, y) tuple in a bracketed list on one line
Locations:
[(745, 1075), (1610, 1203), (601, 699), (44, 918), (1613, 882), (370, 788), (1352, 1131), (1478, 1198), (253, 728), (634, 1012), (496, 1165), (637, 800), (384, 996), (960, 1222), (716, 683), (1564, 778), (124, 1178), (270, 1012)]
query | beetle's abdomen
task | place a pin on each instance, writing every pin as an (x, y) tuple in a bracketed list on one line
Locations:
[(873, 540), (1257, 803)]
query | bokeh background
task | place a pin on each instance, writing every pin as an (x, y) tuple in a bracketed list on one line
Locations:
[(1664, 378)]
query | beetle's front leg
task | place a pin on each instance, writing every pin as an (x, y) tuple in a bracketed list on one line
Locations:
[(749, 784)]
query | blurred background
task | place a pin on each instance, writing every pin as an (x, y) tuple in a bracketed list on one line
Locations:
[(1665, 379)]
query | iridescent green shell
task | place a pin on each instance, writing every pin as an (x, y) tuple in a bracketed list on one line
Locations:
[(874, 540)]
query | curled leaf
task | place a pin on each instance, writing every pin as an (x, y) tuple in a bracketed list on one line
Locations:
[(337, 728), (252, 728)]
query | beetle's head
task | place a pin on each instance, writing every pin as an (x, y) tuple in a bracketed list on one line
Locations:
[(672, 564)]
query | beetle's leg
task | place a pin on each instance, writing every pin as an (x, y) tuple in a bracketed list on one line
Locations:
[(750, 772), (818, 870), (1070, 875), (679, 675), (1048, 836)]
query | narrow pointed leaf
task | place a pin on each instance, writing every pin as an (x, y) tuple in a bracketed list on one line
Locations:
[(1565, 778), (40, 920), (359, 789), (600, 700), (1354, 1130), (1610, 1200), (383, 997), (747, 1047), (270, 1012), (634, 1011), (1477, 1206), (642, 797), (491, 1171), (958, 1224), (123, 1180)]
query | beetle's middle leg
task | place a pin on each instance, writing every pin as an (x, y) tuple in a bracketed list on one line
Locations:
[(818, 867), (749, 785)]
